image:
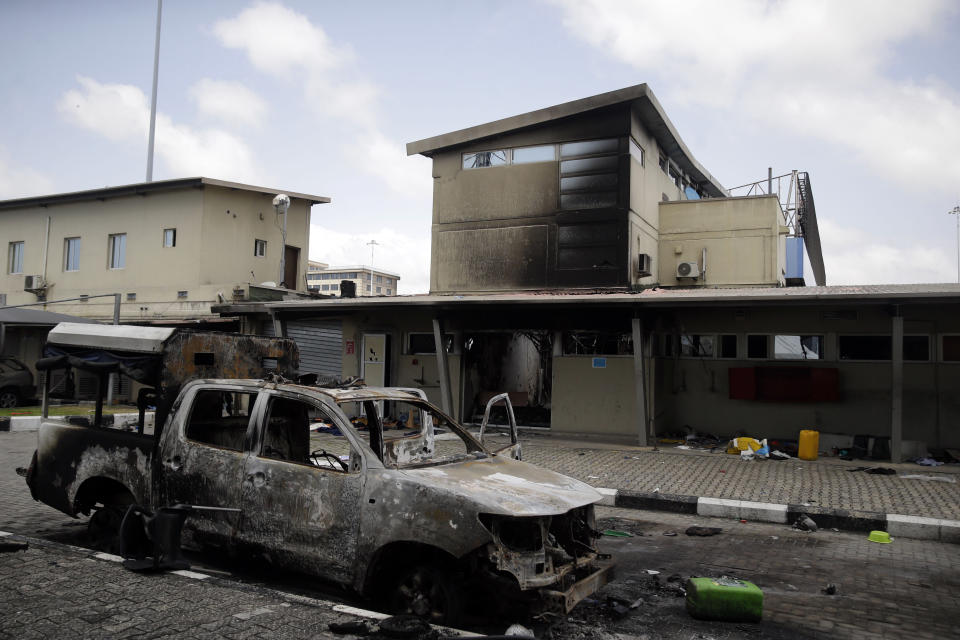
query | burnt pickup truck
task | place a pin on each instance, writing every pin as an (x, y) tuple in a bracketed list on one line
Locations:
[(375, 489)]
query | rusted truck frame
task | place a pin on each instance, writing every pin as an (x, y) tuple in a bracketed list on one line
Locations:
[(409, 509)]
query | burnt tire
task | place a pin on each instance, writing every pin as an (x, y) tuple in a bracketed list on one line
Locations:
[(103, 528), (428, 592)]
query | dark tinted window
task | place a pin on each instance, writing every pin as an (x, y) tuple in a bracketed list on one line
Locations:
[(757, 347), (728, 346), (865, 347), (916, 348)]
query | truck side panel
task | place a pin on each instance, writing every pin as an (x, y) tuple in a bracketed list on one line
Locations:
[(69, 455)]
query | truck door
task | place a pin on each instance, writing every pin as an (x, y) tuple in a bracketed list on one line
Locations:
[(203, 458), (301, 489)]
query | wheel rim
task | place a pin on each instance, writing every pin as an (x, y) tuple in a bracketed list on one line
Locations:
[(423, 594), (8, 400)]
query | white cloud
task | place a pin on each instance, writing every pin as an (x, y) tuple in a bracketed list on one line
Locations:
[(852, 256), (229, 101), (21, 182), (406, 255), (816, 67), (278, 40), (121, 113), (286, 44)]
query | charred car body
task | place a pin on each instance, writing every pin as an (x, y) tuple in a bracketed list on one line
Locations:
[(372, 488)]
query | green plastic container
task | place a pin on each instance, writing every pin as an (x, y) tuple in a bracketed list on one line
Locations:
[(725, 599)]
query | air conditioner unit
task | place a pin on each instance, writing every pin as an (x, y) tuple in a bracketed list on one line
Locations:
[(32, 283), (688, 270), (644, 264)]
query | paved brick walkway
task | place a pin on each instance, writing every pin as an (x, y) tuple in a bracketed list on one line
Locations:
[(824, 483)]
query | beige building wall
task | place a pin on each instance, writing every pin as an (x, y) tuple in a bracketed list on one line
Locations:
[(744, 239), (588, 400), (214, 252)]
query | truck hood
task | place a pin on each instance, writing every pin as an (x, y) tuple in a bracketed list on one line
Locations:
[(504, 486)]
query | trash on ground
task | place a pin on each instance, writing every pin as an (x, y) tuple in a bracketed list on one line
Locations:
[(915, 476), (805, 523), (725, 598), (405, 626), (703, 532), (10, 545), (653, 572), (354, 627), (518, 630), (927, 462), (881, 471), (881, 537), (831, 589), (613, 533), (670, 533)]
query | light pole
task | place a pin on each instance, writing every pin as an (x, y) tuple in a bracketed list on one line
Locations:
[(281, 203), (956, 211)]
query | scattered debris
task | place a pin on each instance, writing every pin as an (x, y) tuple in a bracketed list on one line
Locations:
[(831, 589), (703, 532), (404, 626), (613, 533), (805, 523), (927, 462), (22, 472), (652, 572), (944, 478), (518, 630), (882, 471), (355, 627), (670, 533), (724, 598), (11, 545)]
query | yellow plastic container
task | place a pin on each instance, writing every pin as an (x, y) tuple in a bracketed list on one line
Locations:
[(809, 442)]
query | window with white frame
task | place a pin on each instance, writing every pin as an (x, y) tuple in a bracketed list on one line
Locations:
[(758, 347), (71, 254), (636, 151), (796, 347), (697, 346), (117, 248), (259, 248), (169, 237), (15, 257)]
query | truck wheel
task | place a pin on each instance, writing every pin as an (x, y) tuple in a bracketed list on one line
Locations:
[(8, 398), (103, 529), (428, 592)]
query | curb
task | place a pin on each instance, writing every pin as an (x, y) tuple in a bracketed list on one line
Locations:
[(32, 423), (917, 527)]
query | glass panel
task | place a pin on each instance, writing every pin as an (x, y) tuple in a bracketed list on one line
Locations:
[(588, 200), (482, 159), (797, 347), (602, 164), (545, 153), (951, 348), (589, 147), (636, 151), (16, 258), (728, 346), (169, 237), (691, 193), (696, 346), (72, 262), (118, 251), (756, 346), (865, 347), (599, 343), (600, 181), (916, 348)]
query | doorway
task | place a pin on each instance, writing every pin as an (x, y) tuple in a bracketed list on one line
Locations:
[(517, 362), (291, 263)]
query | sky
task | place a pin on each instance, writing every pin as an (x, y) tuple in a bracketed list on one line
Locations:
[(322, 97)]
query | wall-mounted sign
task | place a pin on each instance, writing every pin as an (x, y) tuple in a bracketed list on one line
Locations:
[(599, 363), (351, 347)]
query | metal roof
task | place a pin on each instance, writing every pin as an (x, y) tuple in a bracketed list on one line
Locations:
[(656, 297), (119, 337), (641, 96), (144, 188), (22, 316)]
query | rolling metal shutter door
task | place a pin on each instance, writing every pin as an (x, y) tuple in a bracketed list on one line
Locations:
[(321, 345)]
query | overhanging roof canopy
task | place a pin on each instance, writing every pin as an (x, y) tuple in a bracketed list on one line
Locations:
[(639, 96)]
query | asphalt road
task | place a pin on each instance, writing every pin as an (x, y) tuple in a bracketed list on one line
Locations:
[(910, 587)]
